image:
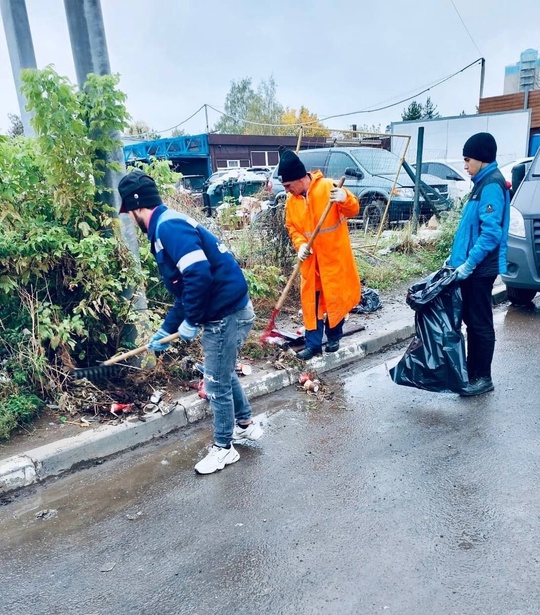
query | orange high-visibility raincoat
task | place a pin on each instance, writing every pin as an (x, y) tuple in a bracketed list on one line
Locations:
[(331, 269)]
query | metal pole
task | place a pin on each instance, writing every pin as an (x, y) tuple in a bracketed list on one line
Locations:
[(482, 77), (89, 46), (21, 50), (416, 206), (206, 114), (90, 54), (526, 99)]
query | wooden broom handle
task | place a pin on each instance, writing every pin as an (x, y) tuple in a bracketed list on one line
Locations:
[(136, 351)]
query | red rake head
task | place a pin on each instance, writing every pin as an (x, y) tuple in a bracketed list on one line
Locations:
[(268, 335)]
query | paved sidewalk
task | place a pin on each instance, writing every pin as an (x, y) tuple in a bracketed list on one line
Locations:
[(394, 323)]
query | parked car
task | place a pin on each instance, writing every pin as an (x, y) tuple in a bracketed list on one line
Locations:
[(370, 174), (506, 169), (452, 172), (523, 260)]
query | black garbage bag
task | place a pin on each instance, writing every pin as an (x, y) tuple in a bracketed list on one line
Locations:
[(435, 359), (371, 301)]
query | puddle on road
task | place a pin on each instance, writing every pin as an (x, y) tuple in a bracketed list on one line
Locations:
[(124, 484)]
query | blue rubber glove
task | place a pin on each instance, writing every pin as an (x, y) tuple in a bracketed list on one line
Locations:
[(154, 344), (187, 332), (464, 271)]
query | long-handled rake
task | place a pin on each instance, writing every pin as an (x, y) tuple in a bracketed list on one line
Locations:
[(108, 367), (270, 334)]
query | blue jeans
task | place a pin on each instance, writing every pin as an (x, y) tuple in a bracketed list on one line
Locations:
[(221, 340)]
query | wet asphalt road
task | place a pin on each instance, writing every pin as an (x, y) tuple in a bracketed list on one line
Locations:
[(382, 499)]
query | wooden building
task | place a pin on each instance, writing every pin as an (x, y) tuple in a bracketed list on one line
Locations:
[(515, 102)]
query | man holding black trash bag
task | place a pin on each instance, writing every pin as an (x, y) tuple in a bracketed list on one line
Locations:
[(479, 255)]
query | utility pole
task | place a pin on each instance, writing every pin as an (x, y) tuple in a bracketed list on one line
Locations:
[(418, 169), (206, 115), (482, 77), (90, 54), (21, 50)]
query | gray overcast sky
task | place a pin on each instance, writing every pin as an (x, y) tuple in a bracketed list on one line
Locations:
[(333, 56)]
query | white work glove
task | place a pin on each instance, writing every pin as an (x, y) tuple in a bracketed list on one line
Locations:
[(303, 252), (464, 271), (187, 332), (338, 195), (154, 343)]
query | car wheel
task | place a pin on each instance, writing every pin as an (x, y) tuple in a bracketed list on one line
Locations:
[(373, 213), (520, 296)]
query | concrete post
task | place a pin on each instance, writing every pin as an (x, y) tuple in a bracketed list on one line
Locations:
[(90, 54), (21, 50)]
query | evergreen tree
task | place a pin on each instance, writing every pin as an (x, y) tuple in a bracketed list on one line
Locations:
[(413, 112), (429, 110)]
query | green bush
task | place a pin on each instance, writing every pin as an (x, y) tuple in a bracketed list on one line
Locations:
[(17, 410)]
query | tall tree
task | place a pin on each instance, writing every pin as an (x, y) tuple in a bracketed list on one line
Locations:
[(430, 110), (143, 130), (311, 126), (251, 112), (413, 112), (417, 111), (264, 109), (238, 102), (16, 129)]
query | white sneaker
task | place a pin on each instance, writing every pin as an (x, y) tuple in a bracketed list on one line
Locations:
[(251, 432), (217, 459)]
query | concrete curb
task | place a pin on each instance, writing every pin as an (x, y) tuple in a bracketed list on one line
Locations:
[(64, 455)]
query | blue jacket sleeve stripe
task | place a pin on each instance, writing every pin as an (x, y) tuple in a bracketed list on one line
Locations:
[(196, 256)]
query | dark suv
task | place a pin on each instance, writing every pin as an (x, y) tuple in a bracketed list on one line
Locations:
[(523, 260), (370, 174)]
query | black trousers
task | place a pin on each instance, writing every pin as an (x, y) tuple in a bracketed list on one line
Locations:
[(478, 318)]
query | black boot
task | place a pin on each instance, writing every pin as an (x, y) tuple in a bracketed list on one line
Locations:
[(332, 346), (308, 353), (478, 387)]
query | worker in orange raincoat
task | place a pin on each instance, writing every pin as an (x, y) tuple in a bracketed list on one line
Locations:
[(330, 284)]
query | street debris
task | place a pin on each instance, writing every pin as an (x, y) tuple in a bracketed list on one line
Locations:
[(47, 513), (107, 567), (132, 517), (120, 408)]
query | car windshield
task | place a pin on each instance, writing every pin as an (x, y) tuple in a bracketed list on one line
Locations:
[(376, 161), (536, 166)]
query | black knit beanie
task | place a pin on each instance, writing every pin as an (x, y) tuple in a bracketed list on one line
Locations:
[(137, 190), (291, 167), (481, 146)]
